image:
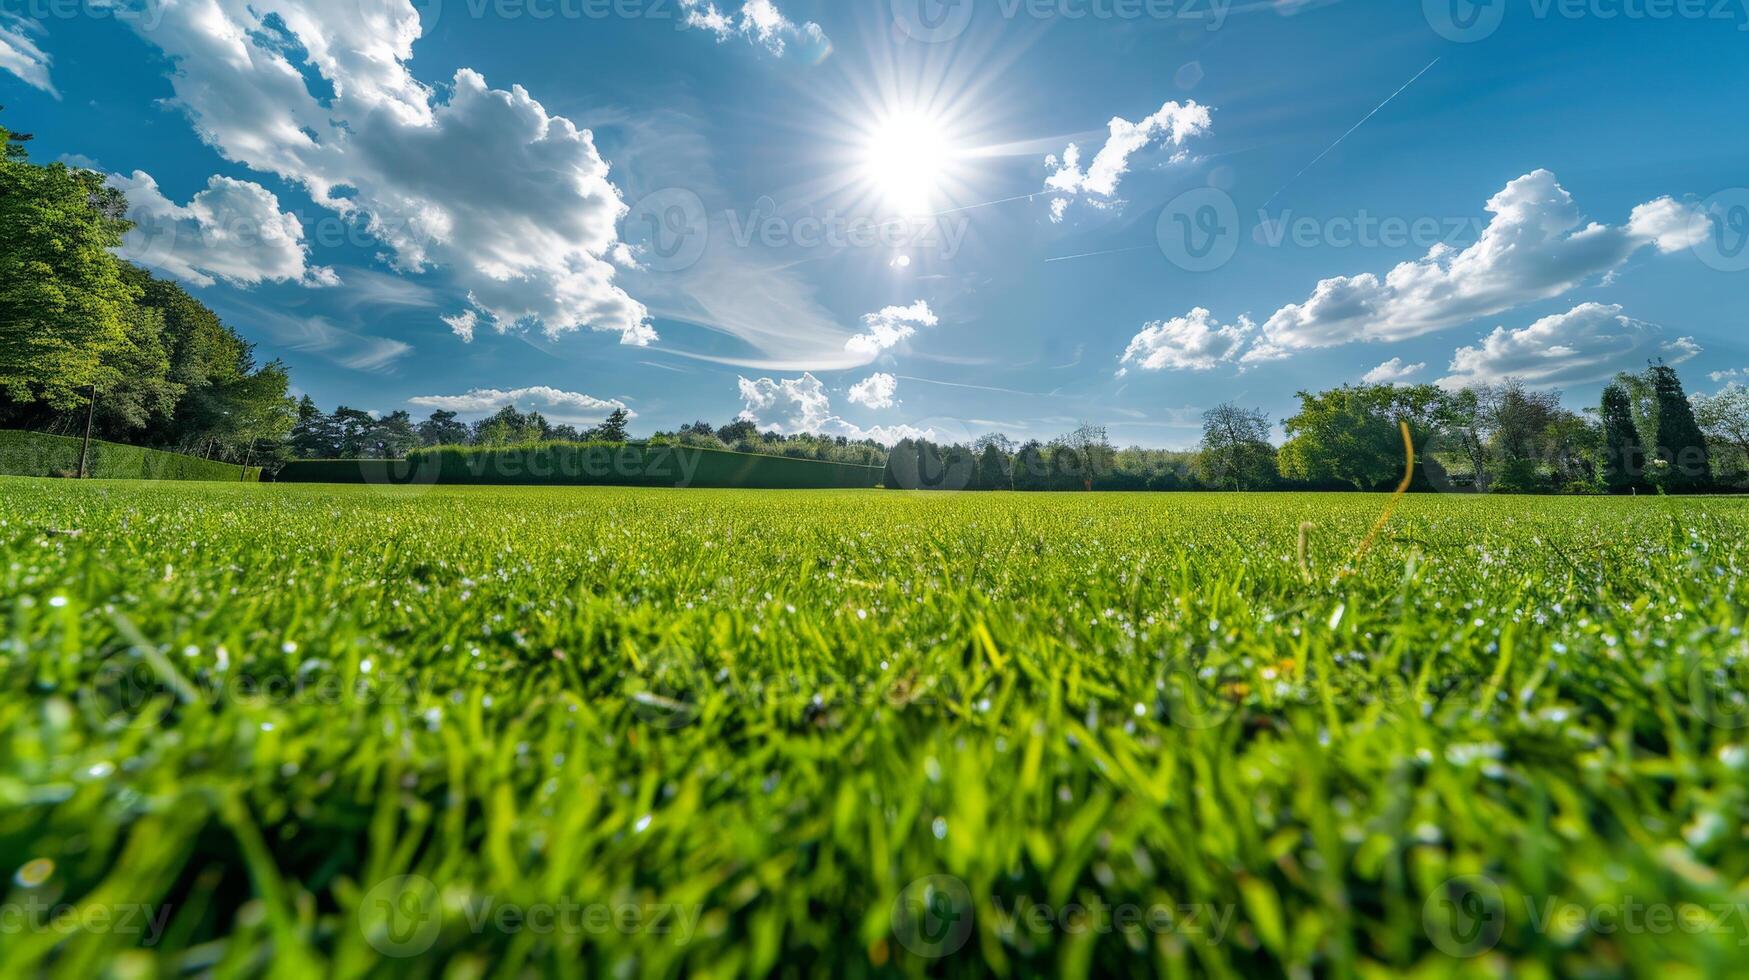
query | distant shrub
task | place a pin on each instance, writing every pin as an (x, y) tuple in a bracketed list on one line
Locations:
[(1519, 476)]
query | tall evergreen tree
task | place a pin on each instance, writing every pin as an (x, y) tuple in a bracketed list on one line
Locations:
[(1624, 458), (1031, 471), (443, 429), (893, 477), (613, 429), (993, 470), (1680, 441)]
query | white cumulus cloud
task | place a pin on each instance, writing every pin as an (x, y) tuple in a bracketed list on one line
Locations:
[(887, 328), (1171, 126), (478, 400), (875, 391), (1588, 343), (1393, 371), (759, 21), (1537, 246), (791, 405), (462, 324), (232, 230), (1195, 342), (515, 203)]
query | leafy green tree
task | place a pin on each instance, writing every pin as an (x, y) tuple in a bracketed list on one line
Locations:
[(1093, 454), (1519, 417), (260, 416), (353, 428), (738, 430), (1624, 458), (1342, 435), (1462, 424), (1236, 453), (392, 437), (1573, 448), (1724, 417), (442, 428), (66, 312), (509, 427)]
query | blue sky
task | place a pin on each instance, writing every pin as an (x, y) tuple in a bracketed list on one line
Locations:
[(864, 218)]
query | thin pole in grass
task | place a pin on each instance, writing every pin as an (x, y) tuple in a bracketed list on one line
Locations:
[(90, 413), (1391, 505)]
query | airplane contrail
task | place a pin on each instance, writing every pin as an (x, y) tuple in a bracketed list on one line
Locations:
[(987, 204), (1108, 251), (1350, 132)]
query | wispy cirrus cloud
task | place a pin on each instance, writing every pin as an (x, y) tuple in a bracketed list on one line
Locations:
[(21, 55)]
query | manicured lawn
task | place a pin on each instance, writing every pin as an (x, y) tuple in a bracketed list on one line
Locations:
[(459, 732)]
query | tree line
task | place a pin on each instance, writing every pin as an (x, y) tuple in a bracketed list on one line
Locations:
[(1645, 435), (350, 433), (84, 334)]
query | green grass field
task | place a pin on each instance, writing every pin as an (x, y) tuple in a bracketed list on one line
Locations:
[(470, 732)]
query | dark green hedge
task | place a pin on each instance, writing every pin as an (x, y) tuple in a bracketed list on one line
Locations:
[(38, 454), (588, 464)]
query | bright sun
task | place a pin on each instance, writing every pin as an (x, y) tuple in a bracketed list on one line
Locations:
[(907, 156)]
